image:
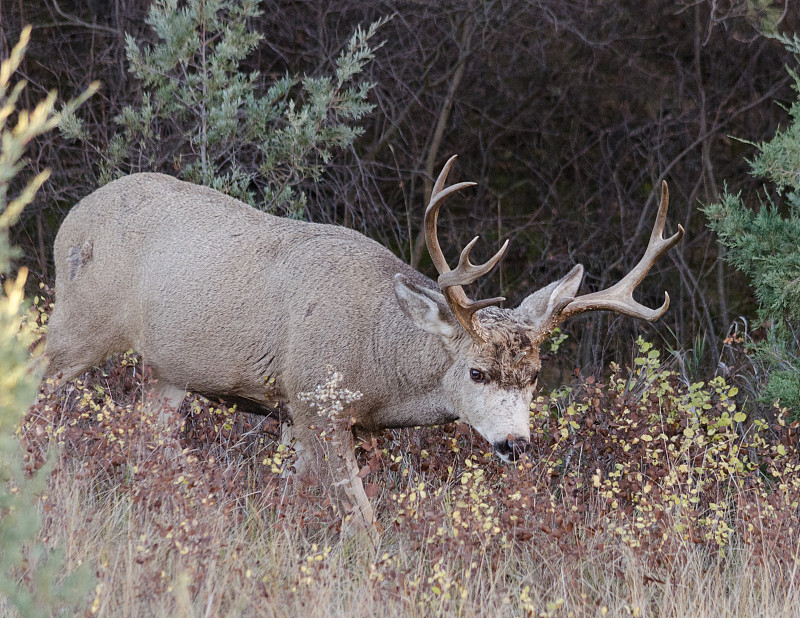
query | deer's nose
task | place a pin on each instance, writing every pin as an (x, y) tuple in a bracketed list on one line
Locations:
[(512, 448)]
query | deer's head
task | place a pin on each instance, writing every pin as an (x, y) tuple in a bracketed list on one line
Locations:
[(495, 351)]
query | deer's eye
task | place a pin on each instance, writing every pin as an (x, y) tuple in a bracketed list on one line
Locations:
[(478, 376)]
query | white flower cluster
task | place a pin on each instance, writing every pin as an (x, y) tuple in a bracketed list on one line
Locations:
[(330, 398)]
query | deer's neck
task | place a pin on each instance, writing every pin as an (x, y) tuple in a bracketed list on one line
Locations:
[(410, 366)]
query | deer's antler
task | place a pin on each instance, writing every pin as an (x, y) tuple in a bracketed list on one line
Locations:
[(450, 281), (619, 297)]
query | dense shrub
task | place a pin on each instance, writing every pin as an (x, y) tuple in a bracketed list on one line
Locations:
[(764, 245), (641, 466)]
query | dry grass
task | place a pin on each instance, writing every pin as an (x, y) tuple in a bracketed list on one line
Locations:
[(643, 496)]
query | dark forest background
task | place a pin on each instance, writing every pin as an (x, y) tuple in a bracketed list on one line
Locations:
[(568, 114)]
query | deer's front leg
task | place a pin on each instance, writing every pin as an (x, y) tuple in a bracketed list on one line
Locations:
[(331, 457), (356, 508)]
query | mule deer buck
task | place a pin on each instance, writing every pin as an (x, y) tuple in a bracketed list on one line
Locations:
[(217, 297)]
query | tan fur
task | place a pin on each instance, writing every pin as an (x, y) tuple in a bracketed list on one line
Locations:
[(218, 297)]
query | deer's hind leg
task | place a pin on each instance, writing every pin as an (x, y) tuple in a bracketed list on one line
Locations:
[(163, 405)]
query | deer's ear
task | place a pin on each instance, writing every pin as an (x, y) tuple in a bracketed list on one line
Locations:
[(425, 307), (537, 307)]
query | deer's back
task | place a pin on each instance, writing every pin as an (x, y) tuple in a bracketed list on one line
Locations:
[(215, 294)]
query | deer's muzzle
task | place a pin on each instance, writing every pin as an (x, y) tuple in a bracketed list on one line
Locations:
[(512, 448)]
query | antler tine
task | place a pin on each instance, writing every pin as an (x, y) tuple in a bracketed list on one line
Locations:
[(619, 297), (450, 281), (442, 177), (432, 215), (466, 272)]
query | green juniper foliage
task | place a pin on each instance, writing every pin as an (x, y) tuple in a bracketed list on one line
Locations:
[(765, 245), (36, 592), (226, 129)]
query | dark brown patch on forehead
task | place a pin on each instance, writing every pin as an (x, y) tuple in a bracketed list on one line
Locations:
[(509, 356)]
